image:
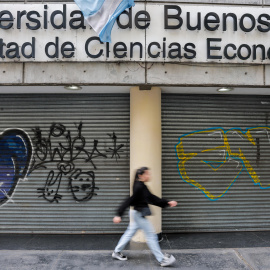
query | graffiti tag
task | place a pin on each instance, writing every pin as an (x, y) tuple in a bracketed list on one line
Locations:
[(15, 157), (212, 159), (61, 149)]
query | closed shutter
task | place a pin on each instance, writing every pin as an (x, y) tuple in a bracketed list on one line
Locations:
[(79, 171), (216, 156)]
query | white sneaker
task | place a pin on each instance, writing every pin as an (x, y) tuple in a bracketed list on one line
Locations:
[(119, 256), (167, 260)]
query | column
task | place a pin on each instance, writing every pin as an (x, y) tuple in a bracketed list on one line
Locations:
[(145, 143)]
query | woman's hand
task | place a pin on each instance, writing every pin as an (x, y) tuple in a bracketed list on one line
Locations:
[(172, 203), (117, 219)]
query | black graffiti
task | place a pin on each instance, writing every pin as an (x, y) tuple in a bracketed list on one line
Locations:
[(61, 150), (51, 188), (82, 185), (64, 153), (41, 145), (92, 155), (116, 149)]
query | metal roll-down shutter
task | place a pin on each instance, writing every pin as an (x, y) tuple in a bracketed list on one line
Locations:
[(78, 172), (215, 162)]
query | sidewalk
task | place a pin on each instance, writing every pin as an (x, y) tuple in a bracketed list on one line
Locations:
[(198, 251)]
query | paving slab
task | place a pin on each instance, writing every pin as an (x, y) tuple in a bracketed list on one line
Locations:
[(257, 258), (79, 260), (193, 251), (213, 259), (197, 259), (27, 260)]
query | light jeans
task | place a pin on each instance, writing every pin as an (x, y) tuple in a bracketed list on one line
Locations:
[(149, 232)]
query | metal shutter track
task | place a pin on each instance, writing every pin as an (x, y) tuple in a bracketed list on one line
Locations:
[(245, 206)]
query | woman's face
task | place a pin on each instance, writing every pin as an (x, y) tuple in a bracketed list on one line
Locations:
[(145, 177)]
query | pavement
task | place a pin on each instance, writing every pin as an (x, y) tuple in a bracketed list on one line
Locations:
[(193, 251)]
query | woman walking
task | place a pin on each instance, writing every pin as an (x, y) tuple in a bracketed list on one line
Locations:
[(140, 199)]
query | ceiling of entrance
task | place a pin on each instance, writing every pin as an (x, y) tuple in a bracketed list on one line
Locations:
[(125, 89)]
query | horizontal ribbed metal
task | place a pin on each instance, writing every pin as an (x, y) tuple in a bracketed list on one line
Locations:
[(100, 114), (245, 206)]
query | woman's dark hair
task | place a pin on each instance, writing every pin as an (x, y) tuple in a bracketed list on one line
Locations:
[(140, 171)]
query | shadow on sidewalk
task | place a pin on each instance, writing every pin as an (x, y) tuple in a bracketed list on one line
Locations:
[(108, 242)]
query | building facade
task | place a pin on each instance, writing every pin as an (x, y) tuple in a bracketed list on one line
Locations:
[(183, 88)]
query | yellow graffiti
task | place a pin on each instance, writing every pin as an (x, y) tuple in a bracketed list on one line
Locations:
[(241, 156), (218, 164)]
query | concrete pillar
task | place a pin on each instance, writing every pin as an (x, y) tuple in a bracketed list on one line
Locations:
[(145, 143)]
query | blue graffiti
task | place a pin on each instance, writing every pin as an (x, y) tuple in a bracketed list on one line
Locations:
[(15, 157), (221, 155)]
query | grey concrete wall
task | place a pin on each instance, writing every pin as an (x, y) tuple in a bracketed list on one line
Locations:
[(178, 74), (134, 74), (207, 75)]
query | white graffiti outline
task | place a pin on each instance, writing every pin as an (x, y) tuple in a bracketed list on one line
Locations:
[(266, 133), (237, 133), (219, 132)]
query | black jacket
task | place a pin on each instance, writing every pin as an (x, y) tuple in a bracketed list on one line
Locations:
[(140, 199)]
